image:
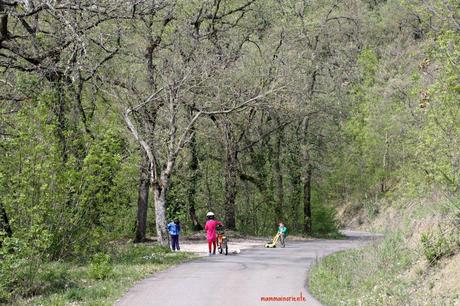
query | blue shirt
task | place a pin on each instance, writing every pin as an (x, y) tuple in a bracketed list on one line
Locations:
[(173, 228)]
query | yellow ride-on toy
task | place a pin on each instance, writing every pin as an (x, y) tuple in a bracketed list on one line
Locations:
[(273, 243)]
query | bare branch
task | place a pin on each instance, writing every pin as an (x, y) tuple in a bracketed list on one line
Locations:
[(148, 150), (239, 107)]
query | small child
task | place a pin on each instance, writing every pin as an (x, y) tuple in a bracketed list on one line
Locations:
[(282, 230), (211, 235), (174, 231)]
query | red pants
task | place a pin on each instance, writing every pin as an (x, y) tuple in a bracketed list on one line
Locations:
[(213, 243)]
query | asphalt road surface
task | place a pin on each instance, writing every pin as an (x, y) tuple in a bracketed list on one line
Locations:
[(257, 276)]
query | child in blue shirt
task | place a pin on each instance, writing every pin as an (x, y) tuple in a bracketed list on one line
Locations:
[(174, 231)]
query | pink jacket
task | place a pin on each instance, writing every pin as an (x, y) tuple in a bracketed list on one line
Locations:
[(210, 228)]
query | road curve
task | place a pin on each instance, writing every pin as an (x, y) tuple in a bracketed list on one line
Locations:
[(254, 277)]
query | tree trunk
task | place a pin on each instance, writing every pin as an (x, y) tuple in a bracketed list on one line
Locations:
[(307, 200), (61, 127), (196, 223), (142, 200), (3, 23), (4, 224), (295, 198), (231, 177), (159, 198)]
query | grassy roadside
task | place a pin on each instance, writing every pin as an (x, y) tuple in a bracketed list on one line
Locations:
[(366, 276), (417, 263), (102, 280)]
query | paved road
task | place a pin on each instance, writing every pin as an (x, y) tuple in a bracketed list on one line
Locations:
[(241, 279)]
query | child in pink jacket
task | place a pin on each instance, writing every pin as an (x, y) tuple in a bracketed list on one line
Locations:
[(211, 235)]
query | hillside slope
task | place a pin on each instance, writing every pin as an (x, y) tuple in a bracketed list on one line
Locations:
[(417, 263)]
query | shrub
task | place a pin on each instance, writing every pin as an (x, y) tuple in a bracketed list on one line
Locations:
[(100, 266), (435, 246), (324, 221), (23, 273), (54, 277), (18, 269)]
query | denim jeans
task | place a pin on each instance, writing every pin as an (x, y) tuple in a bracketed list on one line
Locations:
[(175, 242)]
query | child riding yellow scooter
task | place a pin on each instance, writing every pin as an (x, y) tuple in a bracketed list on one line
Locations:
[(280, 235)]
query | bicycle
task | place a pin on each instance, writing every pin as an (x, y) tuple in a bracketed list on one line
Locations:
[(222, 240)]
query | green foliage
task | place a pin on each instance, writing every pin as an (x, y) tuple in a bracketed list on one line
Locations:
[(178, 201), (369, 64), (324, 221), (69, 207), (18, 267), (100, 266), (55, 277), (438, 136), (65, 283), (437, 244), (432, 251), (366, 276), (23, 273), (380, 89)]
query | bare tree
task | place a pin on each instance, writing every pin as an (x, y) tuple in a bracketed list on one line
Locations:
[(54, 40), (177, 138), (202, 49)]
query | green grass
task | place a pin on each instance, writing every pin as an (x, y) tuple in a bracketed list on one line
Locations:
[(366, 276), (101, 282), (378, 274)]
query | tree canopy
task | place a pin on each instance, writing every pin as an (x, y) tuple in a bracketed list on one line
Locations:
[(116, 116)]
